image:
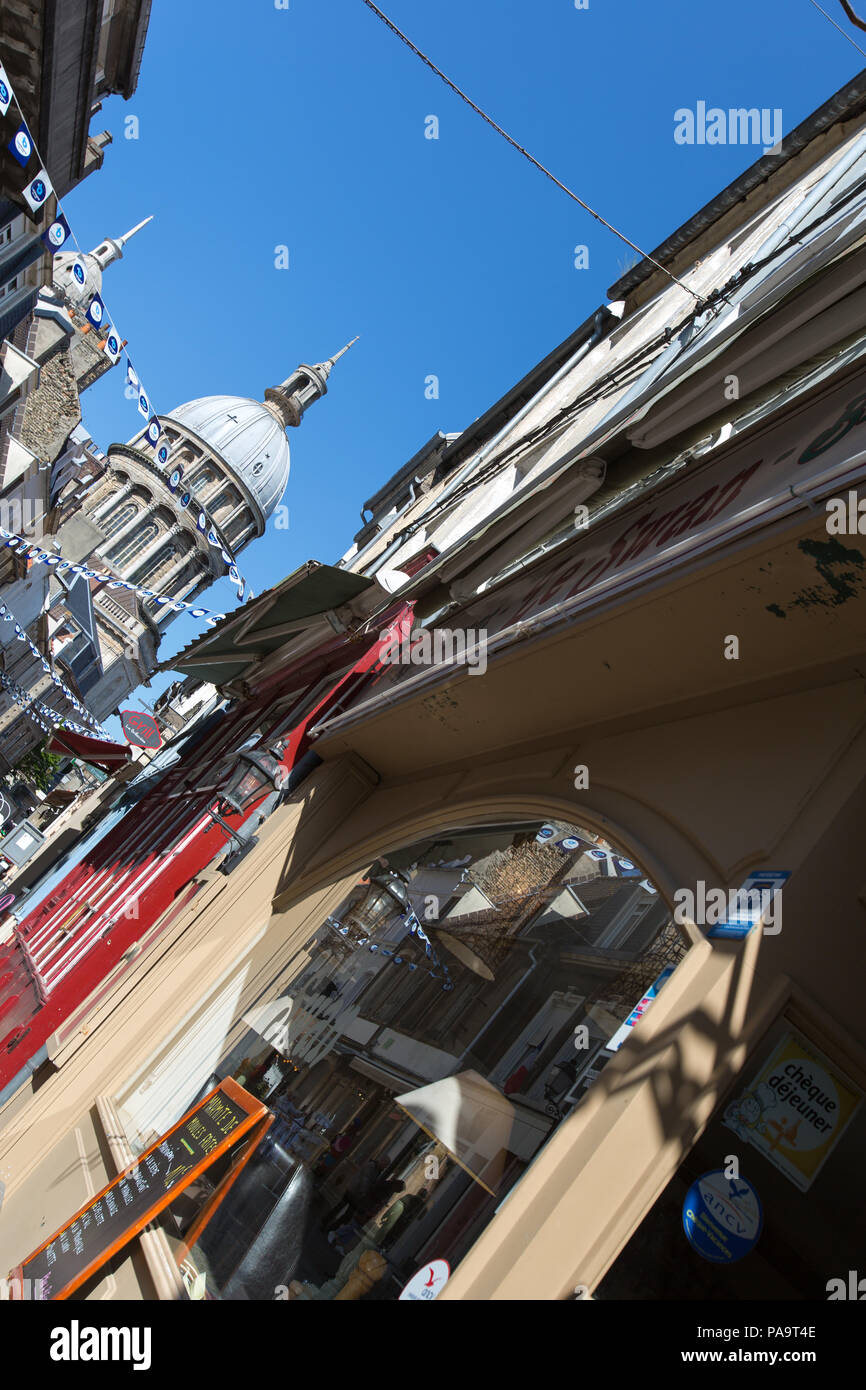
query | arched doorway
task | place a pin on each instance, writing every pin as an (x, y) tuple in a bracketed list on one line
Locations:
[(444, 1020)]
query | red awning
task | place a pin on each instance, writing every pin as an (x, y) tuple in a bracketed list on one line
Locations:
[(92, 750)]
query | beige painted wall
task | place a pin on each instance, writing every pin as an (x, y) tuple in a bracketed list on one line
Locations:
[(778, 781)]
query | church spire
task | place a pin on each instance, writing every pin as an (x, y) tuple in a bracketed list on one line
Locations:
[(326, 367), (111, 249), (288, 401), (67, 274)]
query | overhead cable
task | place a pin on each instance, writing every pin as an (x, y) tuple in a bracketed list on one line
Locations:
[(520, 149)]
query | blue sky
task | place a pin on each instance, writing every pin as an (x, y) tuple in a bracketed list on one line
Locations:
[(305, 127)]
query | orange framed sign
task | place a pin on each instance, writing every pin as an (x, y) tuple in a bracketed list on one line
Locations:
[(125, 1206)]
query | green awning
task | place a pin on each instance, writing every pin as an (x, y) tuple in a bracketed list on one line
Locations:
[(269, 622)]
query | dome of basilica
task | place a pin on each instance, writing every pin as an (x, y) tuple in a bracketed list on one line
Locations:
[(248, 439)]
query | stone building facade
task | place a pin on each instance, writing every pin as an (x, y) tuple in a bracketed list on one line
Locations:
[(161, 523)]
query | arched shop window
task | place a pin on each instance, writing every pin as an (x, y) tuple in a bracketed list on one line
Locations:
[(416, 1054)]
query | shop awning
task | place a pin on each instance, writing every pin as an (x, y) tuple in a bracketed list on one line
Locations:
[(261, 627), (91, 750)]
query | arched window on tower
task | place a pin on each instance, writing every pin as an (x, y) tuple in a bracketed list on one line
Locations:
[(238, 531), (225, 501), (203, 478), (117, 519), (133, 545), (164, 560)]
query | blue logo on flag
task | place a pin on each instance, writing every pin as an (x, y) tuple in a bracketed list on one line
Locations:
[(57, 234), (184, 501), (78, 272), (113, 344), (154, 430), (96, 311), (5, 94), (163, 453), (21, 145), (38, 191)]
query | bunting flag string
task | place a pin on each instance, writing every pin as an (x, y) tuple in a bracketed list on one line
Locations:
[(365, 941), (58, 237), (9, 617), (42, 715), (416, 929), (55, 560)]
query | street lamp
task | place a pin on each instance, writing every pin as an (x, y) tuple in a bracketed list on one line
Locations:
[(256, 772), (385, 893)]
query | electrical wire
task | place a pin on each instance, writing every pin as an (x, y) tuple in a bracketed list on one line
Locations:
[(614, 380), (598, 391), (837, 26), (404, 38), (607, 385)]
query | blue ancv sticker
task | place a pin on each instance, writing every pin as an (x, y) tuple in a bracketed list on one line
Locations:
[(722, 1217)]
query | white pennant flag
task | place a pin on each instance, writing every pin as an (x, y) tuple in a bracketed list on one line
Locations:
[(113, 346), (38, 190), (5, 91)]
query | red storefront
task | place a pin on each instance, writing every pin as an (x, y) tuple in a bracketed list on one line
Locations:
[(137, 879)]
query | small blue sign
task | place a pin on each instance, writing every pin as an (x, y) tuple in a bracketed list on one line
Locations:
[(760, 893), (722, 1217)]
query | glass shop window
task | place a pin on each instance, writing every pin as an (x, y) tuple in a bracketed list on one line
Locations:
[(414, 1057), (785, 1219)]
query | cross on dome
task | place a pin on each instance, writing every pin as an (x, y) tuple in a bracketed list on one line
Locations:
[(249, 437)]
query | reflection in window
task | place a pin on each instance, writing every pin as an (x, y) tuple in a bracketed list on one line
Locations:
[(415, 1056)]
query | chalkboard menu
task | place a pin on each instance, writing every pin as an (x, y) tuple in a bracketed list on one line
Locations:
[(136, 1195)]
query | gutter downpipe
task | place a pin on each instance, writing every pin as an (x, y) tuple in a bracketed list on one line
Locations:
[(606, 589), (601, 322), (413, 488)]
